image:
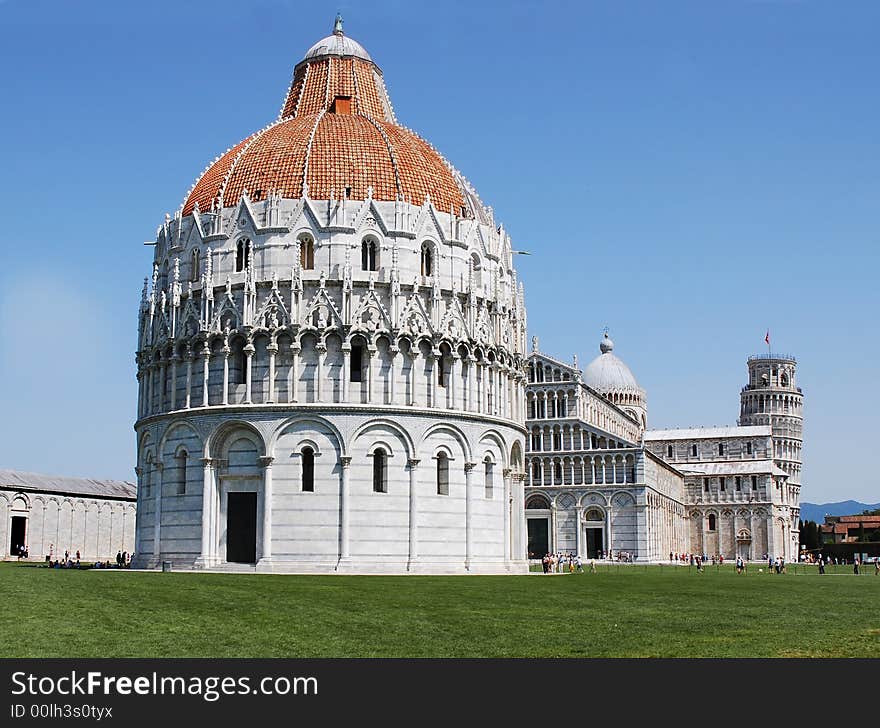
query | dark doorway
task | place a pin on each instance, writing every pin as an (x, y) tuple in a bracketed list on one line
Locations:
[(539, 544), (594, 543), (18, 535), (241, 528)]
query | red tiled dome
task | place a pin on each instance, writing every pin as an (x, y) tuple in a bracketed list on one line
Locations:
[(336, 130)]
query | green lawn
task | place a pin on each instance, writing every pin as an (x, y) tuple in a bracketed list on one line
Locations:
[(621, 611)]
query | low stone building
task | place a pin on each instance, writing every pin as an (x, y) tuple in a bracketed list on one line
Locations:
[(49, 515)]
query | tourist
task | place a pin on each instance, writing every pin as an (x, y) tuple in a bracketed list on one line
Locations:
[(592, 566), (119, 559), (856, 565), (876, 566), (821, 565), (578, 565)]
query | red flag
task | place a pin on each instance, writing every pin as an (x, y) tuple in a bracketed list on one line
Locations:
[(767, 338)]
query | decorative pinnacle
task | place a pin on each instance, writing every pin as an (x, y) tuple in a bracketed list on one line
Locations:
[(337, 24)]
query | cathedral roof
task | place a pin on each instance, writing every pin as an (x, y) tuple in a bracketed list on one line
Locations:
[(336, 136), (606, 373)]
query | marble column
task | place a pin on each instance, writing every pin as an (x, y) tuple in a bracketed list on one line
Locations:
[(174, 360), (272, 349), (321, 351), (413, 465), (226, 352), (392, 389), (189, 368), (248, 377), (206, 355), (157, 512), (344, 553), (468, 514), (266, 465), (345, 373), (206, 557), (507, 501)]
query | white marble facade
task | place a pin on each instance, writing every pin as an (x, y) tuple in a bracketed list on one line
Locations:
[(354, 364), (597, 480)]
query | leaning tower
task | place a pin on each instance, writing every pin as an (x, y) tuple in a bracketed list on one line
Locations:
[(773, 398)]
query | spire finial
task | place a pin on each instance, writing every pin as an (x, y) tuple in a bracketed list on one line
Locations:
[(337, 24)]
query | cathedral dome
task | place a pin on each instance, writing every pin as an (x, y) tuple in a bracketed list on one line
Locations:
[(606, 373), (336, 137)]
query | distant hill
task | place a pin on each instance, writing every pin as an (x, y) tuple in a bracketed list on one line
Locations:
[(817, 511)]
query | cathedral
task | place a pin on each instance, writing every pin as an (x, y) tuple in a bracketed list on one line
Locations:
[(333, 376), (599, 482)]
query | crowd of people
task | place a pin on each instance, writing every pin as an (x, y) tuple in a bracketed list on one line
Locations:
[(560, 563), (73, 561)]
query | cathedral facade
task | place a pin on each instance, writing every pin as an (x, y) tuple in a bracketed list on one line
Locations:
[(599, 482), (331, 351)]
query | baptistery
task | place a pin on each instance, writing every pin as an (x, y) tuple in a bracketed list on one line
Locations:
[(331, 351)]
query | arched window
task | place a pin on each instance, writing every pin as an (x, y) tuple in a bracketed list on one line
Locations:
[(693, 450), (238, 368), (537, 502), (748, 448), (669, 451), (442, 474), (369, 254), (306, 252), (557, 472), (148, 471), (242, 254), (180, 460), (194, 259), (441, 370), (477, 266), (721, 448), (427, 260), (488, 470), (308, 469), (711, 521), (380, 479), (356, 364)]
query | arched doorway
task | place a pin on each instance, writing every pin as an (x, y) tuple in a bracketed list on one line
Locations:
[(538, 526), (241, 527), (17, 535), (594, 533)]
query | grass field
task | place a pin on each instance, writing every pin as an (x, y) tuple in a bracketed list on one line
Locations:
[(621, 611)]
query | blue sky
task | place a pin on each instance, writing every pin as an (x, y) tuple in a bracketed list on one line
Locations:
[(687, 173)]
